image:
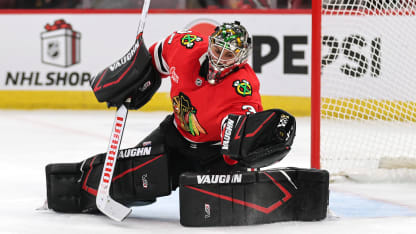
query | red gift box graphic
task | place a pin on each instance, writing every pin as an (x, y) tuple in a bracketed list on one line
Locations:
[(60, 44)]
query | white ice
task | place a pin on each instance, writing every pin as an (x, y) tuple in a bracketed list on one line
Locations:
[(29, 140)]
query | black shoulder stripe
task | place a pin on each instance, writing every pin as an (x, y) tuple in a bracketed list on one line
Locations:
[(160, 58)]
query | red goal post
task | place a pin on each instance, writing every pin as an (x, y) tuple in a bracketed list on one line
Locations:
[(316, 84)]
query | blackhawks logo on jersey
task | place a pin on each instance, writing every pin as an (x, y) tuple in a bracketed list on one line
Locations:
[(189, 40), (242, 87), (187, 115)]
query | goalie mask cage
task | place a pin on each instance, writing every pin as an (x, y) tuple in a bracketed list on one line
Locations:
[(363, 118)]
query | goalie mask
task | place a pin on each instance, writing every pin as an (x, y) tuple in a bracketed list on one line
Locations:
[(228, 49)]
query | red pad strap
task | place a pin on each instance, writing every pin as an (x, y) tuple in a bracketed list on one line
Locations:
[(229, 160)]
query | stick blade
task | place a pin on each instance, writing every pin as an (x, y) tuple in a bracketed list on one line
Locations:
[(112, 209)]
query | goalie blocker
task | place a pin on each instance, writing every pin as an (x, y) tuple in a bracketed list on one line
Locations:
[(260, 139), (244, 198)]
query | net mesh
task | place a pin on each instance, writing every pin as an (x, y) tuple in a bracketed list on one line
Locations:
[(368, 84)]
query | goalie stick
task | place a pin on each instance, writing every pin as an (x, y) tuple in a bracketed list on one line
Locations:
[(104, 202)]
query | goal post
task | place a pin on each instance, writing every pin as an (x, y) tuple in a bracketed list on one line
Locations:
[(316, 84), (363, 90)]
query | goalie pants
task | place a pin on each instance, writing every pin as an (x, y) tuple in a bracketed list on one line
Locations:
[(149, 170)]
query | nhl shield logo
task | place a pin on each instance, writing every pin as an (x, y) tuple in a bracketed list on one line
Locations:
[(198, 82), (53, 49)]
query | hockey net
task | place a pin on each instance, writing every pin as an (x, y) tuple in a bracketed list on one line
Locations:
[(368, 89)]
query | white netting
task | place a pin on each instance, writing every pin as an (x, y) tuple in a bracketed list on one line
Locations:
[(368, 84)]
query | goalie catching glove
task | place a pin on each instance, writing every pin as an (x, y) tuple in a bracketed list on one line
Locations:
[(133, 76), (259, 139)]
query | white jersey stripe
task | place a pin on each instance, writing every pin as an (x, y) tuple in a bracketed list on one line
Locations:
[(161, 64)]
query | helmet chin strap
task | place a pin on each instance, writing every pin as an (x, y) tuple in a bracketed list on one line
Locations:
[(214, 76), (211, 81)]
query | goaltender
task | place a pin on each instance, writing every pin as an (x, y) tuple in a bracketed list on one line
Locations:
[(217, 132)]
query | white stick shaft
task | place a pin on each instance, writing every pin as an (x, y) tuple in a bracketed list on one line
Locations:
[(145, 9), (113, 148), (104, 202)]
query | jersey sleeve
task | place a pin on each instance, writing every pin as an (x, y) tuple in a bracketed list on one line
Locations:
[(164, 51), (159, 62)]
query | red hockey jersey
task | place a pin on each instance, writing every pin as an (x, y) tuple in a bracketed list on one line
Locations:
[(200, 107)]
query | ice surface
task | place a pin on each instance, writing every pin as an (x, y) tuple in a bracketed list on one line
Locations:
[(29, 140)]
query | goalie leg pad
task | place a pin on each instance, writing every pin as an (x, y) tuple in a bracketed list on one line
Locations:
[(141, 174), (244, 198), (63, 187)]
